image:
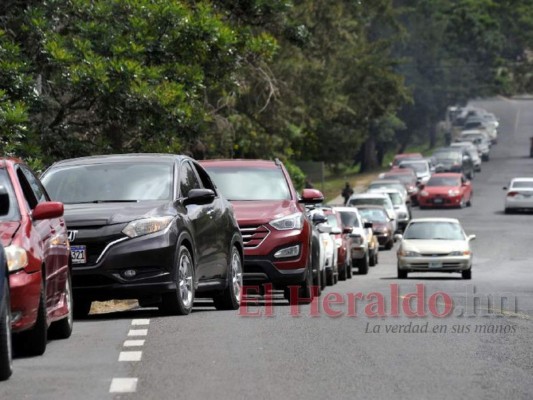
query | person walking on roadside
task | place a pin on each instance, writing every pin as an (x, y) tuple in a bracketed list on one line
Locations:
[(347, 192)]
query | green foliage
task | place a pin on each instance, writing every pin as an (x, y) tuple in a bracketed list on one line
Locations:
[(296, 174)]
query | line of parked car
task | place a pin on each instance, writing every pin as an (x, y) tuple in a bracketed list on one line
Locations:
[(164, 230)]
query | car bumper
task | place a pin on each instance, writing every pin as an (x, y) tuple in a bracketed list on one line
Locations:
[(434, 264), (151, 259), (358, 252), (440, 201), (25, 291), (383, 239), (519, 203)]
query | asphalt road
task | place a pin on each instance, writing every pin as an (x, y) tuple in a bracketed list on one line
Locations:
[(484, 353)]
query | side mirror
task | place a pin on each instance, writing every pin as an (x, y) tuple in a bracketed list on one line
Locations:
[(335, 231), (199, 196), (367, 225), (319, 218), (311, 196), (324, 228), (471, 237), (4, 201), (347, 229), (47, 210), (398, 236), (504, 188)]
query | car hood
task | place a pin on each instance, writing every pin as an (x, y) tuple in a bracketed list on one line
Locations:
[(262, 212), (434, 246), (113, 213), (8, 230)]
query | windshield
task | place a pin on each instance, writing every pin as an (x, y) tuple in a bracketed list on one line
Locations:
[(404, 178), (373, 201), (8, 202), (448, 155), (396, 198), (373, 215), (417, 167), (332, 220), (248, 183), (397, 186), (349, 219), (434, 230), (111, 182), (443, 181)]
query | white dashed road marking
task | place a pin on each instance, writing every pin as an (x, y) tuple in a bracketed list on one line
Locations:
[(130, 356), (134, 343), (138, 332), (140, 322), (129, 385), (123, 385)]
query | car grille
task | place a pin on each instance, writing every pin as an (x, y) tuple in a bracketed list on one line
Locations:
[(95, 248), (434, 254), (253, 236)]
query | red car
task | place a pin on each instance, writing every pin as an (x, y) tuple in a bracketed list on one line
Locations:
[(342, 242), (35, 238), (408, 178), (272, 218), (398, 158), (446, 190)]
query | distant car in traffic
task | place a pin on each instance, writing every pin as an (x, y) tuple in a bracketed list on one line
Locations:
[(342, 239), (34, 236), (472, 151), (519, 195), (377, 199), (403, 214), (446, 190), (381, 224), (398, 158), (453, 159), (150, 227), (422, 169), (406, 176), (479, 139), (364, 246), (434, 245)]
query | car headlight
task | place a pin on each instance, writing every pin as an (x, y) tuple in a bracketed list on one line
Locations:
[(17, 258), (460, 253), (409, 253), (423, 193), (146, 226), (453, 192), (293, 221)]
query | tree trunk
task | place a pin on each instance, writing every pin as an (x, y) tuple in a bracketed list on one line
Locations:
[(369, 160)]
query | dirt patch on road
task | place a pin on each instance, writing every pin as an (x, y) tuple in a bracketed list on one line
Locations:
[(105, 307)]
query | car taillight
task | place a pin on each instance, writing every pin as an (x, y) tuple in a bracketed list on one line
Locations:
[(512, 194)]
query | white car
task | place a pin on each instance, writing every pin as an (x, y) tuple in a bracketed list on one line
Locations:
[(363, 250), (422, 169), (472, 150), (519, 195), (435, 245), (403, 214), (327, 251), (375, 199)]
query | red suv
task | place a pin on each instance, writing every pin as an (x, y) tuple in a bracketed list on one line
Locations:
[(34, 235), (272, 218)]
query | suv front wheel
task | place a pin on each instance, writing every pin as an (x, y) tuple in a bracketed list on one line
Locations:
[(230, 298), (180, 301)]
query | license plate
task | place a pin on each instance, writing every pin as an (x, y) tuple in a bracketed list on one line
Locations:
[(78, 254), (435, 264), (437, 200)]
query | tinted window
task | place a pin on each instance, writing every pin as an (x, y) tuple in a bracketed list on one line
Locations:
[(349, 219), (8, 204), (418, 167), (522, 185), (35, 185), (373, 215), (448, 155), (117, 181), (188, 179), (250, 183)]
